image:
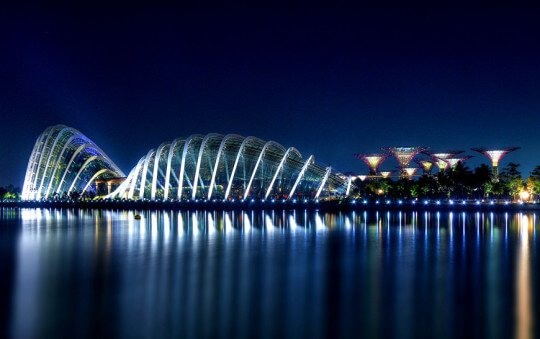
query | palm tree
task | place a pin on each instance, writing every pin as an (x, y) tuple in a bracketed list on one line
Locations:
[(482, 181), (512, 180), (533, 181)]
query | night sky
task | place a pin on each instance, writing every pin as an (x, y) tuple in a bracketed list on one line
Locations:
[(329, 81)]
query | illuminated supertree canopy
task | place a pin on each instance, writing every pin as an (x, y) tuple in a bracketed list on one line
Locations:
[(373, 161), (410, 171), (495, 156), (386, 174), (442, 164), (454, 161), (426, 165), (404, 155), (441, 158), (444, 155)]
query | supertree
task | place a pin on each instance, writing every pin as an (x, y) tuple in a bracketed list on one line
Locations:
[(426, 165), (495, 157), (410, 171), (454, 161), (373, 161), (404, 155), (386, 174), (440, 158)]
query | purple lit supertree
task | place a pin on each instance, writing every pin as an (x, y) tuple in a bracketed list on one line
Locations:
[(404, 155), (495, 157), (373, 161), (410, 171), (426, 165), (386, 174), (440, 158), (454, 161)]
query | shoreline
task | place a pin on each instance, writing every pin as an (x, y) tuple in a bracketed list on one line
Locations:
[(325, 206)]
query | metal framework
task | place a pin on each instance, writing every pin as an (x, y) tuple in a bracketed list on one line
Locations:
[(197, 167), (373, 161), (228, 167), (64, 161), (495, 156), (349, 184)]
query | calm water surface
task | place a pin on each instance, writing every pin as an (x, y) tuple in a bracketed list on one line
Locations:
[(91, 273)]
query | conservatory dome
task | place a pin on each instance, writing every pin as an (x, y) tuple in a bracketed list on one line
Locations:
[(211, 166), (64, 161), (216, 166)]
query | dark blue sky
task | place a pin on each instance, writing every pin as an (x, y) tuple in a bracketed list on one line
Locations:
[(329, 81)]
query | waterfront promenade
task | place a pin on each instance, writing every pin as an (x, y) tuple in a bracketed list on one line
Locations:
[(311, 205)]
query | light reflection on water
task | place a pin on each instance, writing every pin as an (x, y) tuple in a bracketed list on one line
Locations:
[(523, 285), (90, 273)]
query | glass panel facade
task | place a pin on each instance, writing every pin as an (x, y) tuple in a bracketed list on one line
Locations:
[(212, 166), (64, 161), (224, 167)]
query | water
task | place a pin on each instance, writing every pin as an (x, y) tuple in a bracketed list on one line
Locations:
[(90, 273)]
